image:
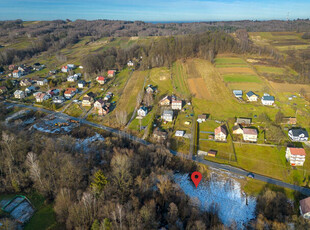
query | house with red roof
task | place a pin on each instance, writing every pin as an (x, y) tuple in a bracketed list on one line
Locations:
[(111, 73), (220, 133), (70, 92), (100, 80), (296, 156), (17, 73)]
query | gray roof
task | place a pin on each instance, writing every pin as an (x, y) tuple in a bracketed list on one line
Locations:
[(168, 112), (250, 94), (268, 98), (237, 92), (298, 132)]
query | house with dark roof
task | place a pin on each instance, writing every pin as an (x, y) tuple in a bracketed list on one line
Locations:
[(237, 129), (304, 207), (251, 96), (238, 93), (268, 100), (142, 111), (298, 135)]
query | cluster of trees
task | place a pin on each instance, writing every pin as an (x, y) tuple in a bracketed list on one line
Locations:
[(117, 185), (165, 50)]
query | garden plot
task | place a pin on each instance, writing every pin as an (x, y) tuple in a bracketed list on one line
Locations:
[(223, 195)]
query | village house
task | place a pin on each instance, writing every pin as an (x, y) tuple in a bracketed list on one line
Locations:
[(130, 63), (53, 92), (100, 80), (159, 134), (243, 121), (70, 92), (268, 100), (58, 99), (37, 66), (142, 111), (30, 89), (251, 96), (237, 129), (72, 78), (81, 84), (176, 105), (149, 89), (201, 118), (250, 135), (24, 69), (99, 103), (19, 94), (3, 89), (238, 93), (104, 110), (167, 115), (42, 81), (25, 82), (165, 101), (298, 135), (304, 207), (111, 73), (295, 156), (220, 133), (289, 120), (87, 100), (40, 97), (17, 73), (67, 68), (212, 153), (108, 96)]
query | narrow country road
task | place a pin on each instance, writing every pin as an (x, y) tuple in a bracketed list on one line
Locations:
[(123, 134)]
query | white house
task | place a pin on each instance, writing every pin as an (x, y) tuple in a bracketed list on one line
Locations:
[(99, 103), (304, 207), (296, 156), (58, 99), (72, 78), (81, 84), (268, 100), (250, 135), (167, 115), (251, 96), (42, 81), (130, 63), (17, 73), (19, 94), (142, 112), (201, 118), (176, 105), (238, 93), (299, 135)]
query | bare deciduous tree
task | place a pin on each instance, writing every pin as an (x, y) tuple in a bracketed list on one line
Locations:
[(121, 117)]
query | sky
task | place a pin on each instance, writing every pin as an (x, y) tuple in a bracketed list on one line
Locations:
[(150, 10)]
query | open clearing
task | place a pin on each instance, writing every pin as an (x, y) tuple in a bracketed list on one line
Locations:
[(179, 78), (269, 69), (198, 88)]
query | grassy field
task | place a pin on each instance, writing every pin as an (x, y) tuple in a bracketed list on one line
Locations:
[(269, 69), (241, 78), (128, 100), (179, 78), (74, 110), (160, 77)]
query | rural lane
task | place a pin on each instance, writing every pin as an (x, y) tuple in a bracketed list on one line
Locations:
[(123, 134)]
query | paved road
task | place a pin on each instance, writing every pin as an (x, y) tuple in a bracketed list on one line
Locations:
[(229, 168)]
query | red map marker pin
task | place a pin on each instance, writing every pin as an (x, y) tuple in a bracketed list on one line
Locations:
[(196, 178)]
